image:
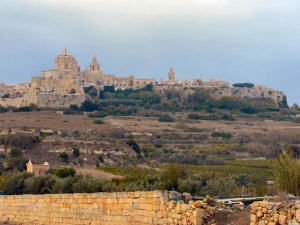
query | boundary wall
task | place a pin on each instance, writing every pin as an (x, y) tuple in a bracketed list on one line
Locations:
[(137, 208)]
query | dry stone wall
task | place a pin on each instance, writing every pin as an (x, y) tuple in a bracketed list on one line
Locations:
[(137, 208), (275, 213)]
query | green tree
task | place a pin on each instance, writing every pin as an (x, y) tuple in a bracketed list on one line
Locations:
[(64, 157), (76, 152)]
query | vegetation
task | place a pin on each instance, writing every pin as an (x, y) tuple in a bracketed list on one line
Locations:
[(64, 157), (287, 173), (248, 85), (134, 145), (222, 135), (76, 152), (165, 118), (5, 95), (91, 90), (98, 122), (64, 172)]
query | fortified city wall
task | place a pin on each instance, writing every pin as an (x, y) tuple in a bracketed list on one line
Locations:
[(134, 208), (59, 101), (256, 92)]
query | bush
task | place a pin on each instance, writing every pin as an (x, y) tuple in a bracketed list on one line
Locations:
[(64, 172), (165, 118), (30, 108), (248, 85), (287, 174), (100, 157), (193, 116), (249, 110), (76, 152), (223, 135), (64, 157), (98, 122), (16, 160), (88, 106), (15, 152), (98, 115), (134, 145), (171, 176), (5, 95), (91, 90), (14, 182)]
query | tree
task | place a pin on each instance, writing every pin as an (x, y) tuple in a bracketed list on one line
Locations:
[(91, 90), (134, 145), (88, 106), (64, 172), (76, 152), (64, 157)]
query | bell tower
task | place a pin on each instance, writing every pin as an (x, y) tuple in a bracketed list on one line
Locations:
[(94, 66), (171, 76)]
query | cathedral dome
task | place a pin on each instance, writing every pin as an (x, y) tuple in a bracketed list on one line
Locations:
[(66, 62)]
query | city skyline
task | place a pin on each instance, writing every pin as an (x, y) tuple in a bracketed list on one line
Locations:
[(221, 39)]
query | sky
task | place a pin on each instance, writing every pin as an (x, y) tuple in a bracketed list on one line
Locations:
[(255, 41)]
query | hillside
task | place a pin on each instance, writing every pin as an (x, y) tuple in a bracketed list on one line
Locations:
[(135, 137)]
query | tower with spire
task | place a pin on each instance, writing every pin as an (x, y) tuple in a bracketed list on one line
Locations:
[(94, 66), (171, 76)]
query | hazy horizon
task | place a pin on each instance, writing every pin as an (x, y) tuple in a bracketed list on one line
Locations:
[(230, 40)]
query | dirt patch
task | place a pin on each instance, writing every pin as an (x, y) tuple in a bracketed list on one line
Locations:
[(241, 217), (97, 173)]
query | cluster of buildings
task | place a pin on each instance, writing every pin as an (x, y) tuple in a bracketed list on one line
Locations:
[(64, 86)]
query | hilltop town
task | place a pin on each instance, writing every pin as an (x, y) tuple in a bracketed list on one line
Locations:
[(64, 86)]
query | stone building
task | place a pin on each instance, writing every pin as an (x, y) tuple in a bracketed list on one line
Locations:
[(64, 86), (37, 169)]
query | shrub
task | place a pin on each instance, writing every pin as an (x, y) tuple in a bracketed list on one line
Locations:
[(98, 122), (22, 141), (15, 152), (165, 118), (248, 85), (64, 172), (88, 106), (171, 176), (249, 110), (14, 182), (64, 157), (100, 157), (287, 175), (5, 95), (16, 160), (98, 115), (3, 110), (91, 90), (193, 116), (223, 135), (76, 152), (134, 145)]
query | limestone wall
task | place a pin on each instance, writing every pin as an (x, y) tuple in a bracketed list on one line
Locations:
[(275, 213), (99, 209), (257, 92), (59, 101)]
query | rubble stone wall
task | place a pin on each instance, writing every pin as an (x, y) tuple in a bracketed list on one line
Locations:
[(275, 213), (99, 209)]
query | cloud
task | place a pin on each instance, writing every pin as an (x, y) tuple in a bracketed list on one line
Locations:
[(249, 40)]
